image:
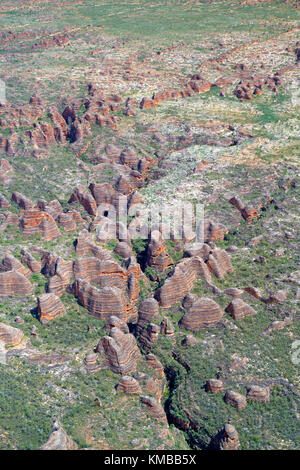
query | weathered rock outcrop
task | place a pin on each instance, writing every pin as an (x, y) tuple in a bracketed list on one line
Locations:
[(50, 307), (61, 279), (203, 313), (149, 335), (120, 351), (129, 385), (84, 197), (85, 246), (155, 364), (22, 201), (258, 393), (157, 254), (213, 232), (239, 309), (34, 265), (219, 263), (226, 439), (34, 221), (214, 386), (10, 336), (14, 283), (67, 222), (59, 440), (10, 263), (181, 281), (235, 399), (4, 203), (91, 362), (148, 310), (247, 212), (154, 407)]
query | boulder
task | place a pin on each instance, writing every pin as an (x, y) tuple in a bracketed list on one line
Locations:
[(235, 399), (10, 336), (50, 307), (214, 232), (91, 362), (154, 407), (227, 439), (203, 313), (214, 386), (258, 393)]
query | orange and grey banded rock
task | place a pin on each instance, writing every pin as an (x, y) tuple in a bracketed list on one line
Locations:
[(67, 222), (123, 249), (116, 322), (22, 201), (214, 232), (197, 249), (85, 198), (129, 385), (235, 399), (239, 309), (154, 407), (203, 313), (247, 212), (50, 307), (4, 203), (59, 440), (148, 309), (120, 351), (167, 327), (34, 221), (102, 303), (59, 282), (91, 362), (214, 386), (157, 254), (9, 335), (149, 335), (34, 265), (258, 393), (182, 280), (14, 283), (155, 364), (9, 263), (85, 246), (227, 439), (233, 292), (219, 263), (103, 273)]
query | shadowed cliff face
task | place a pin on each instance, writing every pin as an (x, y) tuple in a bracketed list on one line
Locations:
[(123, 336)]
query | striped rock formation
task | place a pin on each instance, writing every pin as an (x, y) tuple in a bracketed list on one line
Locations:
[(59, 282), (9, 263), (102, 303), (91, 362), (155, 364), (213, 232), (197, 249), (157, 254), (123, 249), (182, 280), (50, 307), (235, 399), (103, 273), (154, 407), (10, 336), (116, 322), (34, 265), (219, 263), (133, 278), (85, 198), (239, 309), (85, 246), (22, 201), (214, 386), (34, 221), (67, 222), (203, 313), (167, 327), (14, 283), (129, 385), (150, 385), (59, 440), (4, 203), (227, 439), (120, 351), (149, 335), (148, 310), (53, 208), (247, 212), (258, 393)]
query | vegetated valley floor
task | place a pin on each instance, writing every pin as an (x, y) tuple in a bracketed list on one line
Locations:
[(164, 102)]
